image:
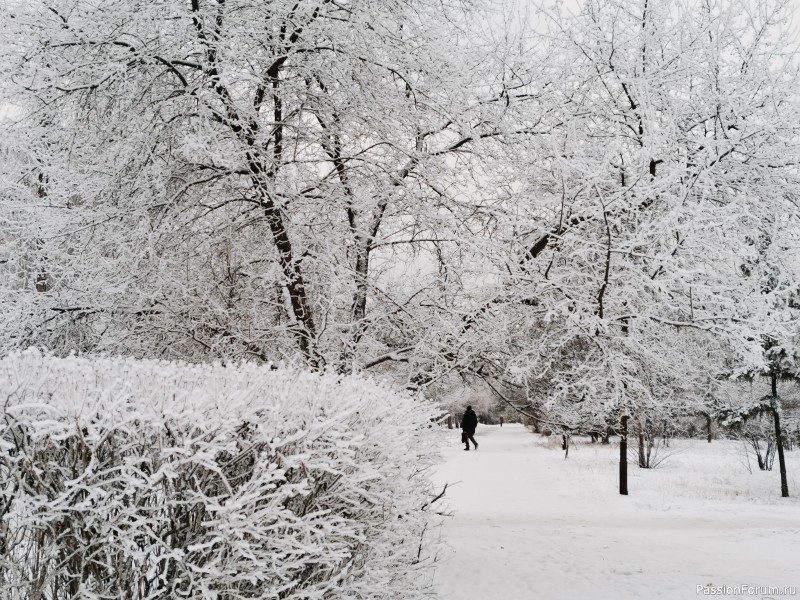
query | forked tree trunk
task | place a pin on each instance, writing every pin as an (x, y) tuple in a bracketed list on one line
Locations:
[(623, 456), (779, 437)]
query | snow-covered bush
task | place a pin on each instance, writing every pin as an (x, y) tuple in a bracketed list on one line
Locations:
[(146, 479)]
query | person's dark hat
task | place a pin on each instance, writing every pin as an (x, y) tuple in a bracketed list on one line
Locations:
[(469, 407)]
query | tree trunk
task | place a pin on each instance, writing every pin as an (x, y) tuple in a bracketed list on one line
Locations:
[(642, 459), (304, 330), (708, 427), (623, 456), (779, 437)]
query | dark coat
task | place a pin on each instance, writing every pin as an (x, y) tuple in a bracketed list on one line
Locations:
[(469, 422)]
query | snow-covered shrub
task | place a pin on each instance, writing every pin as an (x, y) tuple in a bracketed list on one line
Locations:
[(146, 479)]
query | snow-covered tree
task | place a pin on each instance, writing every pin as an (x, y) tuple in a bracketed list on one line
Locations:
[(675, 137), (560, 207), (236, 178), (769, 269)]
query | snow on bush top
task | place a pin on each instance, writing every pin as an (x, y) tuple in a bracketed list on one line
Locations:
[(137, 479)]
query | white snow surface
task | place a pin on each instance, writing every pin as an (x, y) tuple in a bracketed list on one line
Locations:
[(526, 523)]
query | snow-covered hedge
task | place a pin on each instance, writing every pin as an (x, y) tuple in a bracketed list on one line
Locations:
[(146, 479)]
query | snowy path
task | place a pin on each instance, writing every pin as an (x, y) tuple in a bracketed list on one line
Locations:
[(527, 524)]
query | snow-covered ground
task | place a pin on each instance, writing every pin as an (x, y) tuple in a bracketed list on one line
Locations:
[(528, 524)]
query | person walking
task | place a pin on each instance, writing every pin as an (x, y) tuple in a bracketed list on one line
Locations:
[(469, 422)]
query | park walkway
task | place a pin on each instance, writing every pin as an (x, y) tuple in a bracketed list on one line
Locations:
[(527, 524)]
